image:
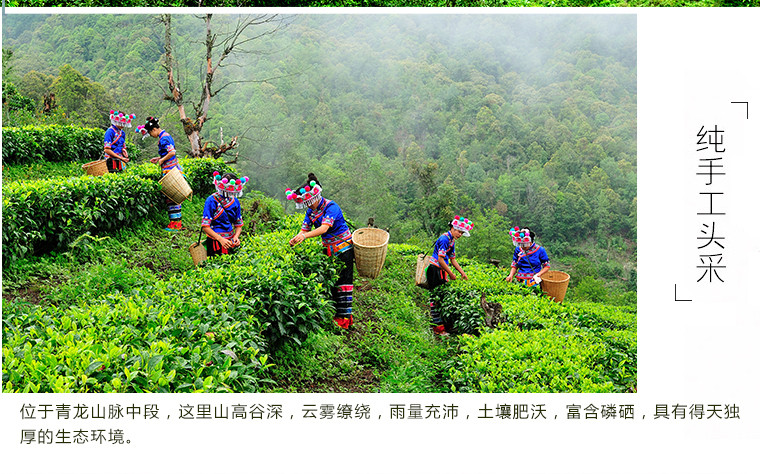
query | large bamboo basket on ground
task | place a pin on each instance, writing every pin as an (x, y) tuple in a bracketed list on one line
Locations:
[(198, 252), (554, 284), (370, 248), (175, 187), (95, 168)]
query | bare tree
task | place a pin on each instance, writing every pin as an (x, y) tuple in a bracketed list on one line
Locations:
[(219, 47)]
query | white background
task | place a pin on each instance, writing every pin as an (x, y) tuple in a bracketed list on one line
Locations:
[(691, 64)]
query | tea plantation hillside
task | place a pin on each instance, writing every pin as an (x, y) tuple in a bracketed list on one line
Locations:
[(100, 299)]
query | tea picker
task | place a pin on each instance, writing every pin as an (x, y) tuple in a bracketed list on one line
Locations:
[(114, 147), (167, 160), (529, 260), (439, 266), (326, 217), (222, 217)]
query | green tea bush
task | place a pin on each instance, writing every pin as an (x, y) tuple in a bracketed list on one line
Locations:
[(210, 329), (459, 300), (41, 215), (530, 361), (538, 345), (265, 212), (41, 170), (54, 143)]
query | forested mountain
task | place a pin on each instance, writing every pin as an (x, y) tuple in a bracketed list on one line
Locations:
[(525, 120)]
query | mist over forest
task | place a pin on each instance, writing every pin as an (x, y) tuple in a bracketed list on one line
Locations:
[(525, 120)]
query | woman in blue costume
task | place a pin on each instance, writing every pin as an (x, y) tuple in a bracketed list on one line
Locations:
[(529, 260), (114, 143), (222, 215), (443, 258), (326, 218), (167, 160)]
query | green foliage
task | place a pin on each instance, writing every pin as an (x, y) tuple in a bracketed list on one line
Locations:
[(41, 215), (538, 345), (530, 361), (41, 170), (53, 143), (130, 332), (591, 289), (465, 130), (409, 127), (459, 300), (14, 101), (263, 212), (546, 347), (84, 100)]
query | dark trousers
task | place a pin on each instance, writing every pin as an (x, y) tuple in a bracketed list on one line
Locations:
[(343, 292), (436, 277)]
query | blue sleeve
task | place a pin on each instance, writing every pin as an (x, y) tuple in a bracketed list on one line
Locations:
[(333, 214), (514, 257), (440, 246), (166, 144), (238, 214), (108, 137), (543, 257), (306, 222), (208, 211)]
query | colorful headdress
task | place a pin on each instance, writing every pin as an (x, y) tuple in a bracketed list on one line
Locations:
[(306, 195), (227, 187), (120, 119), (462, 224), (520, 236), (150, 124)]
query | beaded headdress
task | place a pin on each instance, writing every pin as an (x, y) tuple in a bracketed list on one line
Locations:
[(462, 224), (227, 187), (120, 119), (306, 195), (520, 236)]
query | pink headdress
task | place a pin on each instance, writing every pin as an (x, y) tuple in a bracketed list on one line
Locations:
[(120, 119), (462, 224)]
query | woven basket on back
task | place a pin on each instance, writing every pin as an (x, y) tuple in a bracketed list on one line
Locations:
[(198, 252), (420, 270), (370, 248), (554, 283), (95, 168), (175, 187)]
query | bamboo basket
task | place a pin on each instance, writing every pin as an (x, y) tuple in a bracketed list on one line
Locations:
[(198, 252), (370, 248), (420, 271), (554, 283), (95, 168), (175, 187)]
